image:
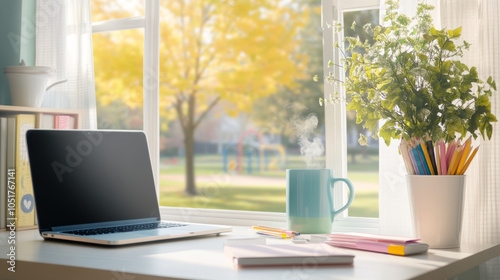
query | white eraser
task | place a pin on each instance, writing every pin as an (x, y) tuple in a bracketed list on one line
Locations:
[(299, 240), (318, 238)]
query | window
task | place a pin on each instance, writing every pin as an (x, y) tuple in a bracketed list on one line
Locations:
[(119, 66), (118, 63), (362, 161), (234, 78), (336, 132)]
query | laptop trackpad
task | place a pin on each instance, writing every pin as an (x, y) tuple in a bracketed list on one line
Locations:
[(116, 236)]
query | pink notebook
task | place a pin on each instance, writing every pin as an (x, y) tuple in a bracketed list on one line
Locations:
[(369, 237), (394, 245)]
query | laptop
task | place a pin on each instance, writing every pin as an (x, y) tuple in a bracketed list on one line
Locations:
[(97, 186)]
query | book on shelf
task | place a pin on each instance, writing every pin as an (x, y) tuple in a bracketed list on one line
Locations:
[(286, 254), (393, 245), (47, 120), (11, 161), (63, 122), (25, 203), (3, 171)]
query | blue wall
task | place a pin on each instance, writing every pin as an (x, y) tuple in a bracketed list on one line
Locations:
[(17, 38)]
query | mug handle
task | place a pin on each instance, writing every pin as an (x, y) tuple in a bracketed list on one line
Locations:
[(351, 195)]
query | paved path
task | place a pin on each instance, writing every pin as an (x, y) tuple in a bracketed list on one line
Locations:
[(247, 180)]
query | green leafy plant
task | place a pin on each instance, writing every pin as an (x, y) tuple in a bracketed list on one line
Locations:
[(411, 76)]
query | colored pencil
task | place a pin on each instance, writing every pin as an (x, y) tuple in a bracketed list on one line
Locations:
[(452, 169), (469, 161), (412, 158), (449, 150), (437, 159), (274, 234), (276, 230), (423, 159), (464, 156), (427, 156), (444, 163), (432, 157), (418, 162)]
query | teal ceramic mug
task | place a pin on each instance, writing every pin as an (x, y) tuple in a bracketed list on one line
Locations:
[(309, 199)]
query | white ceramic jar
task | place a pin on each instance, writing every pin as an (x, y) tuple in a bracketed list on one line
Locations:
[(28, 84)]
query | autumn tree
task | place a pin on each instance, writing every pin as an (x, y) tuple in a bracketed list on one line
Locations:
[(213, 51), (276, 112)]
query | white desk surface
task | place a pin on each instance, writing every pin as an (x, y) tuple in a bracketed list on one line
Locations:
[(203, 258)]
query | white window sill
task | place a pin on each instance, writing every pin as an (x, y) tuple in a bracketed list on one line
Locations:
[(222, 217), (250, 218)]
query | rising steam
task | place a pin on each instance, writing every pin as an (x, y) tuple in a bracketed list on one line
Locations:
[(311, 146)]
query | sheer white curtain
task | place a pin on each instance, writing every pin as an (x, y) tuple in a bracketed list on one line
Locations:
[(481, 27), (480, 24), (64, 42)]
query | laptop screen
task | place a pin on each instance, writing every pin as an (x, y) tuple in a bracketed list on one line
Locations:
[(82, 177)]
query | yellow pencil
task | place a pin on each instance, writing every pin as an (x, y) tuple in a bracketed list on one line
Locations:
[(449, 151), (454, 161), (272, 233), (277, 230), (438, 159), (464, 156), (469, 161), (427, 158)]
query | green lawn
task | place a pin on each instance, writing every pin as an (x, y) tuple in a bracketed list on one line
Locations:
[(268, 199), (365, 204)]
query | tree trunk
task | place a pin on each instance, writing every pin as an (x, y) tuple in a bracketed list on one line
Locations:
[(189, 124), (189, 146)]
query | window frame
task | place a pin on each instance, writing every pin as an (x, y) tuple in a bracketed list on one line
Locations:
[(336, 132), (335, 115), (150, 22)]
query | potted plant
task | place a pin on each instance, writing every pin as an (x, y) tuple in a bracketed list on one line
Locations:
[(411, 76)]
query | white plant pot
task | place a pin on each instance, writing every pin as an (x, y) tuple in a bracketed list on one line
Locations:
[(436, 206), (28, 84)]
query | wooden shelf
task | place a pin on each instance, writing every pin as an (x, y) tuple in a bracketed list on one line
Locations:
[(12, 110), (5, 109)]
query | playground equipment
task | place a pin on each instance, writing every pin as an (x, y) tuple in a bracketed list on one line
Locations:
[(278, 162), (229, 165), (268, 156), (240, 146)]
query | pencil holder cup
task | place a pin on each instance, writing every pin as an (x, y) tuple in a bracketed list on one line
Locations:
[(436, 207), (309, 199)]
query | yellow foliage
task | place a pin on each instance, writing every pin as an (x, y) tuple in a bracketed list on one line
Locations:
[(237, 51)]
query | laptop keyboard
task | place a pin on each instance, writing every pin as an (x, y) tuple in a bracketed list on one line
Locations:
[(138, 227)]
